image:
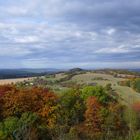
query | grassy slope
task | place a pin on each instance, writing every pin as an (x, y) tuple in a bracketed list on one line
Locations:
[(127, 94)]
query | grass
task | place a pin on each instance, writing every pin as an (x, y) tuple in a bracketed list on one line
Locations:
[(126, 94)]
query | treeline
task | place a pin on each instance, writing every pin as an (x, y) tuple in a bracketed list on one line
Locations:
[(133, 83), (20, 75), (87, 113)]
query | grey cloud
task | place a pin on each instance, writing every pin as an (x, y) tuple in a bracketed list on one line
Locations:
[(71, 32)]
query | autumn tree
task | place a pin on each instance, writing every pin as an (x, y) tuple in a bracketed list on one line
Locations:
[(115, 124), (38, 100), (93, 119)]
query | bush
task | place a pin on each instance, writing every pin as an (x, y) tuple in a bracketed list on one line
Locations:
[(96, 91)]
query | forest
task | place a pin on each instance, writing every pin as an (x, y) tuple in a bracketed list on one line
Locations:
[(78, 113)]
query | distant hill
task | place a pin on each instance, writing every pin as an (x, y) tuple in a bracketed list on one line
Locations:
[(22, 73), (75, 70), (30, 72), (40, 70), (134, 70)]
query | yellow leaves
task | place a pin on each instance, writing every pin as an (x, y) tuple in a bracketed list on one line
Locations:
[(49, 113)]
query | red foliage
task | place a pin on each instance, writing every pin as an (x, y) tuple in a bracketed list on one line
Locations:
[(93, 118), (25, 100), (6, 88), (136, 107)]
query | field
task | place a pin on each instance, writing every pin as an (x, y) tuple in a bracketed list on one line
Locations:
[(10, 81)]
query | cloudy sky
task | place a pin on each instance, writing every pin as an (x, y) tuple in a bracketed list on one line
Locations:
[(69, 33)]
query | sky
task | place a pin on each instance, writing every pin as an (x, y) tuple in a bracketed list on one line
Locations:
[(69, 33)]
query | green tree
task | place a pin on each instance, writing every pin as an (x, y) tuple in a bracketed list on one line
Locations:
[(13, 128), (72, 107), (97, 91)]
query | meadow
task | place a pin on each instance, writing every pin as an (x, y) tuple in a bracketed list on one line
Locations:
[(127, 94)]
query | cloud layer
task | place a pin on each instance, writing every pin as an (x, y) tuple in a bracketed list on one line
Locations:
[(69, 33)]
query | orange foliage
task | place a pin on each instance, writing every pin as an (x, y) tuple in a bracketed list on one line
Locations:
[(5, 88), (136, 107), (93, 119), (38, 100)]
